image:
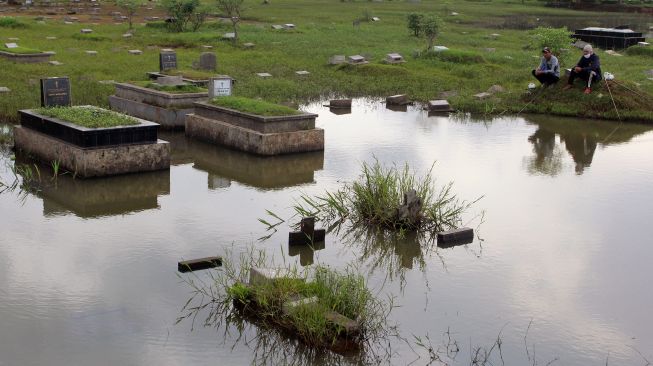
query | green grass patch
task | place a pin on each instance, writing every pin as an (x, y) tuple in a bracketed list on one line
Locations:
[(11, 22), (90, 37), (20, 50), (179, 89), (190, 74), (253, 106), (89, 117), (456, 56), (640, 51)]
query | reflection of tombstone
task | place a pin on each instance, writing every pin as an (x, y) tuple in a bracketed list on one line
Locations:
[(340, 110), (305, 252), (167, 60), (208, 61), (220, 86), (217, 182), (55, 92)]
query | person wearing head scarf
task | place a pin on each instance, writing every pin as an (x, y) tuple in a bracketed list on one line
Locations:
[(549, 70), (588, 69)]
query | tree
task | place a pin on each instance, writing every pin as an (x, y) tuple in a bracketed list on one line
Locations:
[(130, 7), (232, 9), (415, 22), (180, 13), (554, 38), (430, 26)]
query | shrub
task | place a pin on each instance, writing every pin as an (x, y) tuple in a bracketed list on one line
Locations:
[(554, 38), (10, 22), (183, 13), (640, 51)]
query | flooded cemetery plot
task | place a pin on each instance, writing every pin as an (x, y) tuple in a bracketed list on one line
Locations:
[(548, 262)]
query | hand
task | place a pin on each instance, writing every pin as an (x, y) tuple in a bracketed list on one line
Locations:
[(538, 72), (578, 69)]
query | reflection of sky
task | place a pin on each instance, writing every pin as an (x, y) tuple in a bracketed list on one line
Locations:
[(567, 251)]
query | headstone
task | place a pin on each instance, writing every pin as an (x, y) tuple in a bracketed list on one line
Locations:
[(264, 74), (135, 52), (399, 99), (248, 45), (230, 35), (482, 95), (167, 60), (277, 27), (453, 13), (55, 92), (170, 80), (11, 45), (394, 58), (86, 31), (92, 53), (464, 234), (337, 59), (341, 322), (356, 60), (307, 233), (340, 103), (440, 48), (199, 264), (55, 63), (220, 86), (289, 26), (4, 89), (302, 73), (208, 61), (439, 106)]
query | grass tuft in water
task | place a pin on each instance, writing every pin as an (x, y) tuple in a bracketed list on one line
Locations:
[(88, 116), (254, 106)]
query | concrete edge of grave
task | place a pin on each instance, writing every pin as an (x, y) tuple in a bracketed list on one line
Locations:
[(27, 57), (301, 115), (168, 118), (94, 162), (161, 93), (244, 139)]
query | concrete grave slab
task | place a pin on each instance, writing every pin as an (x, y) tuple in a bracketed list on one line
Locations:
[(135, 52), (264, 74)]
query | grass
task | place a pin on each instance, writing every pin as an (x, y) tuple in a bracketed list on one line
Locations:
[(178, 89), (325, 29), (20, 50), (89, 117), (190, 74), (258, 107), (11, 22), (342, 291)]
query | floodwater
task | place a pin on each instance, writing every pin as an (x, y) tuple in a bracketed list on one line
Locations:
[(560, 269)]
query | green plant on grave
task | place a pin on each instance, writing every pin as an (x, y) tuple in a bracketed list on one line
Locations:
[(253, 106)]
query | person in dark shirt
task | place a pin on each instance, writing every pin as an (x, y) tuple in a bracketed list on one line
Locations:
[(588, 68)]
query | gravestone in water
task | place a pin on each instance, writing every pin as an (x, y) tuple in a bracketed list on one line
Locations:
[(167, 60), (208, 61), (220, 86), (55, 92)]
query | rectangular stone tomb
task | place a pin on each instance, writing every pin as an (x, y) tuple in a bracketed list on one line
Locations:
[(26, 57), (609, 37), (263, 135), (356, 60), (168, 109), (394, 58), (439, 106), (455, 237), (400, 99), (199, 264)]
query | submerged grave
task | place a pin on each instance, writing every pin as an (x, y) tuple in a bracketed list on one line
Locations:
[(166, 101), (281, 130), (125, 145)]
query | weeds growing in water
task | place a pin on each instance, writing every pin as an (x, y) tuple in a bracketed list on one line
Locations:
[(230, 301)]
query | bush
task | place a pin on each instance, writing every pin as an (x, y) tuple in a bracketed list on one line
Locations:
[(184, 14), (640, 51), (10, 22), (554, 38)]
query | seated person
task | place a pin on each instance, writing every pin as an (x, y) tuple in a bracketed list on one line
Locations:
[(588, 69), (549, 70)]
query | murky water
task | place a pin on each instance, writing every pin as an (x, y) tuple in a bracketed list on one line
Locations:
[(88, 268)]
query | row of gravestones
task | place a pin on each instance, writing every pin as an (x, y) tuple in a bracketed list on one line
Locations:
[(168, 61)]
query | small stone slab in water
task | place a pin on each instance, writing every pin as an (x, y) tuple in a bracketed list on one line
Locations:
[(199, 264), (463, 234), (349, 326), (439, 105), (399, 99)]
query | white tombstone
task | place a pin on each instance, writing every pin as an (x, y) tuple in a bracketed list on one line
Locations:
[(11, 45), (440, 48), (220, 86), (289, 26)]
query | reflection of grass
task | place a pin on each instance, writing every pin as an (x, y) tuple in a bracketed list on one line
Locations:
[(89, 117), (344, 292)]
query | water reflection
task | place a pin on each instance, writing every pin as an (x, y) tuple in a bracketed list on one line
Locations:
[(580, 140), (305, 252), (224, 165)]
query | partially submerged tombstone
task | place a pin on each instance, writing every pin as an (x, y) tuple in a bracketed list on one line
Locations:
[(439, 105), (399, 99), (88, 151)]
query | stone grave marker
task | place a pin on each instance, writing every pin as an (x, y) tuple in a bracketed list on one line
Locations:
[(135, 52), (277, 27), (50, 38), (127, 35), (55, 92), (220, 86), (455, 237), (167, 60), (302, 73), (4, 89), (399, 99), (439, 106), (170, 80), (86, 31), (208, 61), (264, 74), (356, 60), (207, 47), (482, 95), (307, 233), (643, 44), (375, 19), (13, 39), (289, 26), (394, 58), (11, 45), (92, 53)]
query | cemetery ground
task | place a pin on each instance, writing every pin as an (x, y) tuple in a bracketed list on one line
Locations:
[(484, 51)]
